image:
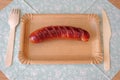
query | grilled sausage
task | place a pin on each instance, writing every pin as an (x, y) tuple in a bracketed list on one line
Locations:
[(59, 32)]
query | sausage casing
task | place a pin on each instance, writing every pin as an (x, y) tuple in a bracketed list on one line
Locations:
[(59, 32)]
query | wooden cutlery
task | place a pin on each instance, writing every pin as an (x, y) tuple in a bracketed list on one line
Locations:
[(13, 22)]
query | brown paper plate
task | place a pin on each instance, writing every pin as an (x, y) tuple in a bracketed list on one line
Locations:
[(60, 51)]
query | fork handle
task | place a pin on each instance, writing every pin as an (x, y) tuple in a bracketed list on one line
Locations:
[(9, 54)]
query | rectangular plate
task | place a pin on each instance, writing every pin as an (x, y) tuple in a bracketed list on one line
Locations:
[(60, 51)]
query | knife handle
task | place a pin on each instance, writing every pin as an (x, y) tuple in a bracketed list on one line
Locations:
[(107, 55)]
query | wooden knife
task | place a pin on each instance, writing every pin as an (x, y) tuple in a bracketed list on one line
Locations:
[(106, 40)]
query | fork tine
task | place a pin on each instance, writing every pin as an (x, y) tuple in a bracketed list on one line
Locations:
[(13, 10), (10, 12), (18, 11)]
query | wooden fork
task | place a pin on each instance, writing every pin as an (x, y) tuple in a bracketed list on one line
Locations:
[(13, 22)]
